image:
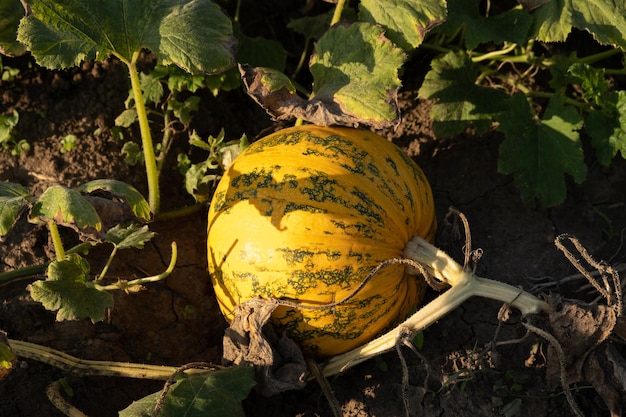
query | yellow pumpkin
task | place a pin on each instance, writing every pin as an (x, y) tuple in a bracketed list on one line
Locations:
[(304, 215)]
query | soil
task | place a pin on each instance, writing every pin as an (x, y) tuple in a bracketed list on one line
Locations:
[(463, 368)]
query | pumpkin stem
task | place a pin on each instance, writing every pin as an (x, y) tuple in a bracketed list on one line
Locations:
[(464, 285)]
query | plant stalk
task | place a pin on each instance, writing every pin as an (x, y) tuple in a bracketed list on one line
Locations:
[(59, 250), (84, 367), (32, 270), (122, 285), (154, 195), (107, 265), (337, 13), (464, 285)]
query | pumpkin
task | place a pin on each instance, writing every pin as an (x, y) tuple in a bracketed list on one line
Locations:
[(304, 215)]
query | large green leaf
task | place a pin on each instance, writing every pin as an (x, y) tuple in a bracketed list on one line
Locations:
[(540, 152), (11, 11), (604, 19), (12, 198), (135, 200), (607, 128), (218, 394), (355, 71), (66, 291), (66, 207), (509, 26), (314, 26), (356, 67), (406, 21), (194, 35), (129, 237), (8, 360), (459, 102)]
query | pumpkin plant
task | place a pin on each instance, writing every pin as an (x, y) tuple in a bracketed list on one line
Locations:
[(485, 71), (69, 288), (195, 35)]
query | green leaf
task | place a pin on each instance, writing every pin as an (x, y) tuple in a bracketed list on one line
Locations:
[(459, 102), (312, 27), (552, 21), (509, 26), (261, 52), (11, 189), (183, 110), (198, 183), (129, 237), (195, 35), (66, 291), (607, 128), (356, 68), (604, 19), (218, 394), (226, 81), (126, 118), (151, 87), (355, 71), (12, 198), (65, 207), (132, 153), (8, 360), (9, 212), (11, 11), (180, 80), (135, 200), (540, 152), (406, 22), (592, 80)]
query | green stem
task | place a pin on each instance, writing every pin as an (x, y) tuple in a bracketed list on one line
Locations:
[(435, 48), (536, 94), (548, 95), (32, 270), (166, 143), (464, 285), (237, 12), (59, 250), (154, 197), (610, 71), (495, 55), (590, 59), (122, 285), (337, 13), (107, 265), (84, 367), (302, 59), (179, 212), (27, 271)]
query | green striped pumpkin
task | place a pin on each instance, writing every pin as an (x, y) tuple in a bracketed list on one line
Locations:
[(304, 215)]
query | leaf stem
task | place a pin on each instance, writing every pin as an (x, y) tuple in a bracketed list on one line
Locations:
[(548, 95), (590, 59), (107, 265), (122, 285), (302, 59), (59, 250), (337, 13), (179, 212), (494, 55), (154, 196), (32, 270)]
